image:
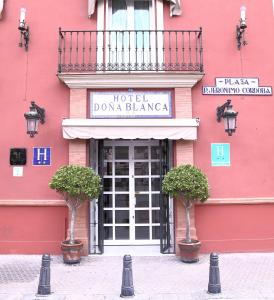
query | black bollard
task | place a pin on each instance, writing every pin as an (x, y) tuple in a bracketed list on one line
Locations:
[(214, 285), (44, 280), (127, 289)]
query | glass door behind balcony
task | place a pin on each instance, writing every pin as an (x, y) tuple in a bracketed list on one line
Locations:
[(130, 42)]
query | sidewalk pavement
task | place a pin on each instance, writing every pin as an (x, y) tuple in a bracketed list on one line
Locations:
[(243, 276)]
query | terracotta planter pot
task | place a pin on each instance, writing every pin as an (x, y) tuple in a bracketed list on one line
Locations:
[(189, 251), (71, 253)]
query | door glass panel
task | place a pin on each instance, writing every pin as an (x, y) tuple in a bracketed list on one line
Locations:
[(141, 22), (141, 216), (121, 168), (119, 22), (155, 168), (155, 184), (121, 200), (140, 152), (108, 153), (141, 168), (119, 14), (122, 232), (142, 232), (155, 152), (142, 200), (108, 233), (122, 184), (141, 184), (107, 168), (107, 200), (122, 216), (107, 216), (155, 216), (155, 200), (121, 152), (155, 232), (107, 184)]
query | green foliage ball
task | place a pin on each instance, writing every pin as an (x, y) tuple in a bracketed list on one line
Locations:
[(187, 181), (76, 182)]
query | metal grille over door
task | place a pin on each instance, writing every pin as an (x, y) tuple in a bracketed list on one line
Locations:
[(165, 238), (100, 200)]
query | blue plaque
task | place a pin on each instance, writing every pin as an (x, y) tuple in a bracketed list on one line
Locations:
[(41, 156), (220, 155)]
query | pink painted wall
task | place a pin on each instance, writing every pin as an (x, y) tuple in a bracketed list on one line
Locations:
[(251, 171), (32, 230), (234, 227), (27, 76), (31, 75), (239, 228)]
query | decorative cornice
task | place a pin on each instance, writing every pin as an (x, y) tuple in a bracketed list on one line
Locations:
[(32, 202), (258, 200), (130, 80)]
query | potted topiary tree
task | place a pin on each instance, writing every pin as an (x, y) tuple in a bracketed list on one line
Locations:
[(190, 185), (76, 184)]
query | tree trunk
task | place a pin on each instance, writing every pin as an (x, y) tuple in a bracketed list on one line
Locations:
[(187, 208), (72, 225)]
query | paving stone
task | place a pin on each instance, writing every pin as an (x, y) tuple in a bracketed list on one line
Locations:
[(243, 276), (46, 297)]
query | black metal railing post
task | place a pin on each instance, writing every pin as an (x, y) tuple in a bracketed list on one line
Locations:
[(60, 50), (201, 51)]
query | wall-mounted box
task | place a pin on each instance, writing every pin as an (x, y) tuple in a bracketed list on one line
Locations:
[(18, 156)]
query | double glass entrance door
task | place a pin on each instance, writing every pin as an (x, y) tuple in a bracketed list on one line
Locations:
[(131, 184)]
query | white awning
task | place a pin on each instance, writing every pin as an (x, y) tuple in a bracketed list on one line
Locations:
[(173, 129), (175, 7)]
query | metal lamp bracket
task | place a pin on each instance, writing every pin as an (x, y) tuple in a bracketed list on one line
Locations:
[(40, 112), (24, 35), (221, 110)]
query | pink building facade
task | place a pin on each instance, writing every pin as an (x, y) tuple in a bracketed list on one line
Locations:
[(130, 88)]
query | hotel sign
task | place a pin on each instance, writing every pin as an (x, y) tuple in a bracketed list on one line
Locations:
[(220, 154), (41, 156), (130, 105), (237, 86)]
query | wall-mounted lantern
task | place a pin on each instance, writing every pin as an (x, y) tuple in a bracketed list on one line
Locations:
[(240, 29), (33, 117), (229, 115), (24, 30)]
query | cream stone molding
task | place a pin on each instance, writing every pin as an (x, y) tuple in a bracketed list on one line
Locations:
[(130, 80), (32, 202), (258, 200)]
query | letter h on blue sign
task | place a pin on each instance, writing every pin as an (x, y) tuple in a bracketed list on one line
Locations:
[(41, 156)]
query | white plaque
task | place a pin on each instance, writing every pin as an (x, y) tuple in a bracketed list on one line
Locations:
[(17, 171), (237, 86)]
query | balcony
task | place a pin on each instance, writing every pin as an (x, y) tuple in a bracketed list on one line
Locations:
[(130, 51)]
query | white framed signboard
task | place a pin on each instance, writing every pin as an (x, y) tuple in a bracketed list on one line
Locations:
[(130, 104)]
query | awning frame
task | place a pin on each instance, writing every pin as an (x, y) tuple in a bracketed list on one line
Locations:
[(173, 129)]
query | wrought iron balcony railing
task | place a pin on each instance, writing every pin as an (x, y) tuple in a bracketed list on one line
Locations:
[(130, 50)]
